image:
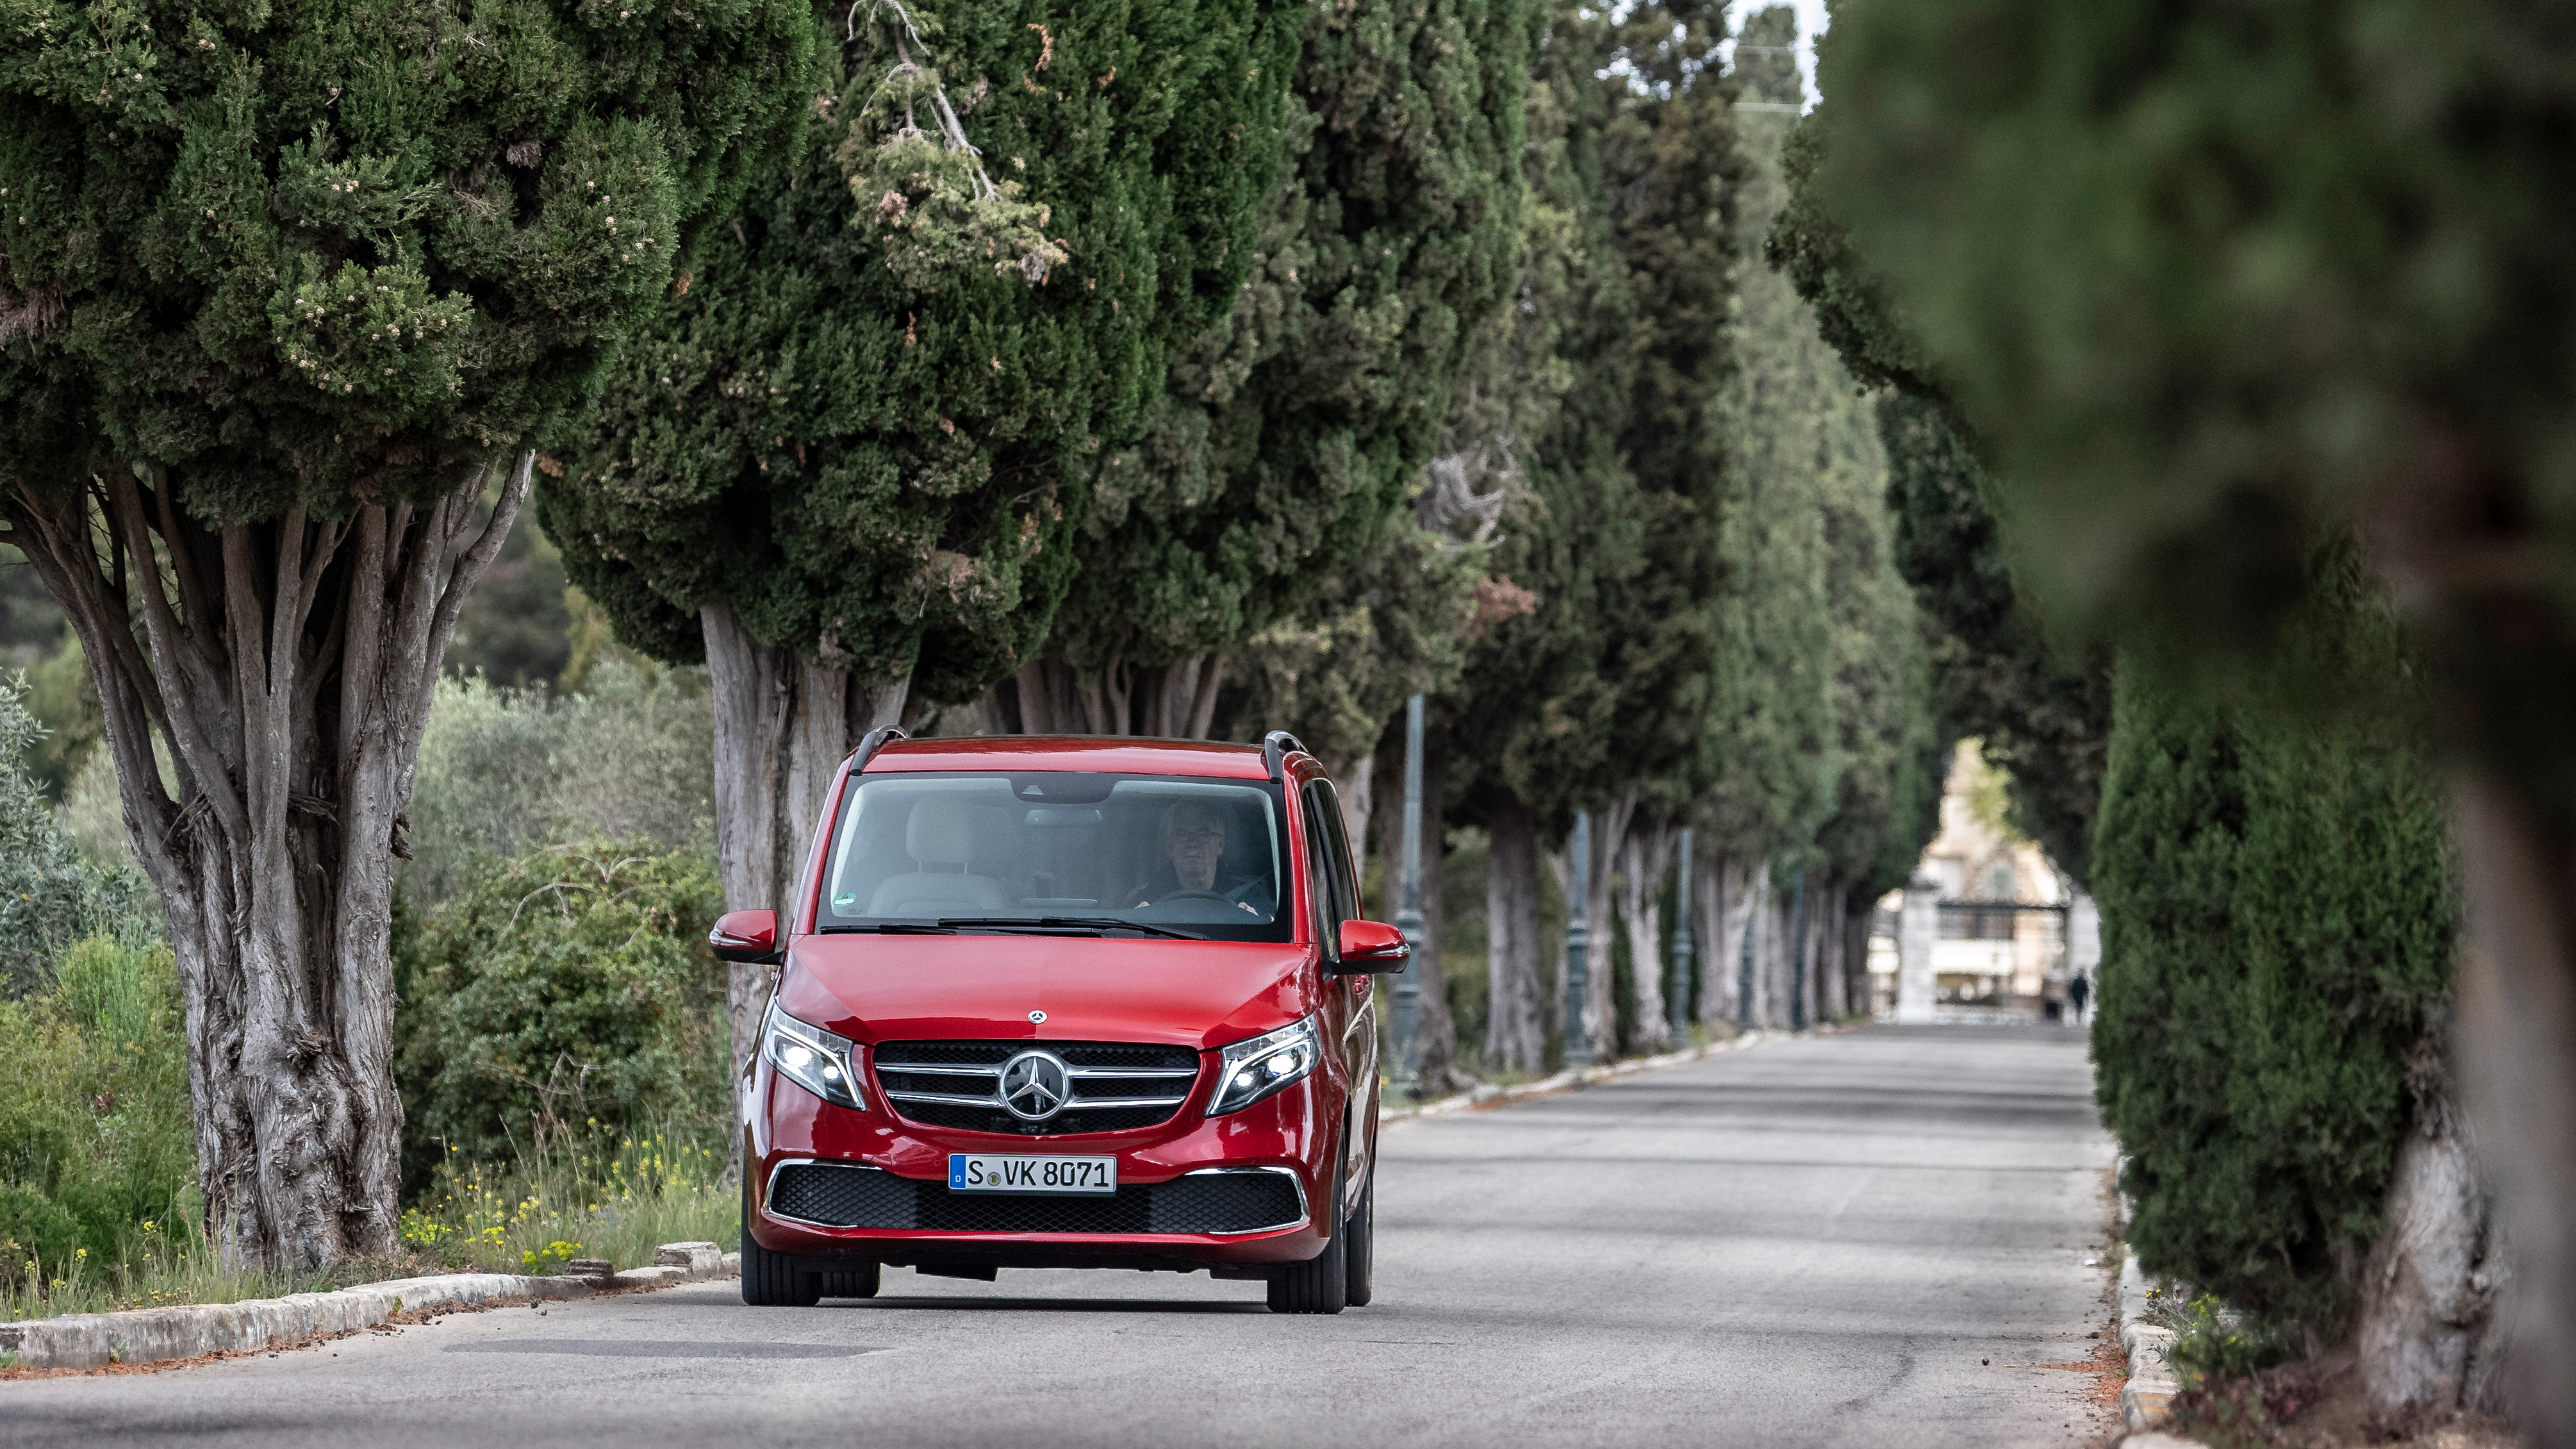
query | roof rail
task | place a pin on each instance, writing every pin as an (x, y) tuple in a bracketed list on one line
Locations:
[(875, 740), (1274, 752)]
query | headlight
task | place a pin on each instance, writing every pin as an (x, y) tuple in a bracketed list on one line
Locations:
[(1252, 1070), (812, 1058)]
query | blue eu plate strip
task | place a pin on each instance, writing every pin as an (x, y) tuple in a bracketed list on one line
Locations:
[(956, 1172)]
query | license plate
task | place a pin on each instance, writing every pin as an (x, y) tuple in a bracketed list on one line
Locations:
[(1028, 1172)]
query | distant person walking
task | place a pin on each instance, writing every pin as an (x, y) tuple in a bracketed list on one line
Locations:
[(2077, 989)]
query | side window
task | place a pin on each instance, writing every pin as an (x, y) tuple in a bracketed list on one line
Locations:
[(1336, 888)]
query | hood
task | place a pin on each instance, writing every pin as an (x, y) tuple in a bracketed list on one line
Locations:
[(873, 988)]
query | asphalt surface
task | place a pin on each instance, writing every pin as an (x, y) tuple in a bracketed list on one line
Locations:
[(1860, 1239)]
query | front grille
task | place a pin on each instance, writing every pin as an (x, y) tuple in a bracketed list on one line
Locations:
[(1117, 1086), (843, 1196)]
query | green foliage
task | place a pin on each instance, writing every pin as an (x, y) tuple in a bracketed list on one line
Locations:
[(1589, 657), (2043, 715), (516, 629), (869, 435), (31, 624), (1392, 623), (97, 1157), (303, 257), (49, 895), (503, 772), (1774, 740), (2045, 718), (2200, 279), (2211, 1343), (2278, 909), (1289, 431), (567, 989), (593, 1193)]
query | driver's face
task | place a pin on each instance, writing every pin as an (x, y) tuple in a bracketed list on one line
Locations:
[(1198, 841)]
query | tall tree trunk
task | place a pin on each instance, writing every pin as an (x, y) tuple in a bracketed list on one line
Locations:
[(1726, 904), (1169, 701), (1600, 993), (2516, 1000), (1825, 912), (1515, 1020), (1644, 856), (784, 724), (1771, 943), (289, 664), (1859, 987), (1351, 789), (2431, 1339)]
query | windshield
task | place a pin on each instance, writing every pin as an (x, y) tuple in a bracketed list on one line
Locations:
[(1156, 854)]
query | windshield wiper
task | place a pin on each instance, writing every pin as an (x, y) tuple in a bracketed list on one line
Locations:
[(899, 928), (1067, 923)]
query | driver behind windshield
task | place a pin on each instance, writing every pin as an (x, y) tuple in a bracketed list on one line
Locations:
[(1194, 837)]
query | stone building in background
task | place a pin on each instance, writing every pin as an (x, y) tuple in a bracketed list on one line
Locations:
[(2000, 940)]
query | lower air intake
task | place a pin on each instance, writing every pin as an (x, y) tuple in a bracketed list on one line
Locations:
[(842, 1196)]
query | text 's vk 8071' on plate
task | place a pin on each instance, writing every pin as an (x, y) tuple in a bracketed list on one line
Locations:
[(1030, 1172)]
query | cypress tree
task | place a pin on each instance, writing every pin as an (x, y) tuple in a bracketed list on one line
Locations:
[(1583, 678), (2278, 919), (1291, 428), (846, 466), (2207, 282), (282, 294), (1799, 447), (2042, 712)]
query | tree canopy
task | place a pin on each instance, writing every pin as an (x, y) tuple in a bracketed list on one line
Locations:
[(872, 421), (1290, 429)]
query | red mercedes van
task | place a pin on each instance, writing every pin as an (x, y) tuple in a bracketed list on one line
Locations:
[(1049, 1003)]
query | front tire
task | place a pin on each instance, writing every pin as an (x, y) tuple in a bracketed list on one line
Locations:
[(1359, 1243), (770, 1280), (1321, 1284)]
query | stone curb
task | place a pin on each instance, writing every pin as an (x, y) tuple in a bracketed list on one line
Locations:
[(148, 1335), (1566, 1081), (2148, 1397)]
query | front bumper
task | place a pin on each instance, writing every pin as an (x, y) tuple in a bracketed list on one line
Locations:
[(903, 1177)]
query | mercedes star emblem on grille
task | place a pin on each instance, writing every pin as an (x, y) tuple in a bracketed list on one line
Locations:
[(1037, 1018), (1035, 1085)]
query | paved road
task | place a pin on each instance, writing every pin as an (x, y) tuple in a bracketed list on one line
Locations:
[(1811, 1242)]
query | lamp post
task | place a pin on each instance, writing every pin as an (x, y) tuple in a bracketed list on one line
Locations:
[(1408, 916), (1578, 941), (1680, 1007)]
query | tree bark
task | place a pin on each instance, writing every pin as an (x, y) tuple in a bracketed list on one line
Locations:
[(1352, 791), (1644, 855), (1826, 909), (1169, 701), (2431, 1341), (289, 664), (1600, 984), (784, 724), (1515, 1021), (2516, 1003), (1726, 903)]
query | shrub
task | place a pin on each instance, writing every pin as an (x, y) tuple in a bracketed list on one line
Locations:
[(506, 771), (564, 992), (50, 896), (2278, 912), (97, 1155)]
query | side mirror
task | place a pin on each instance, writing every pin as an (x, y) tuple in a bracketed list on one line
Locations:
[(1373, 948), (749, 937)]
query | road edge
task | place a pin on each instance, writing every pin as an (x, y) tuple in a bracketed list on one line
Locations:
[(151, 1335), (1574, 1079)]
